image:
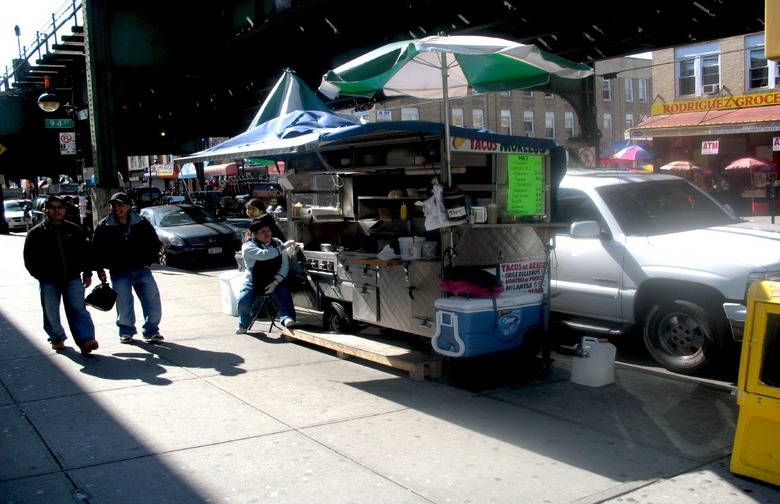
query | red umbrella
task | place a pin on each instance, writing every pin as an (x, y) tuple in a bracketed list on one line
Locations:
[(632, 153), (752, 163)]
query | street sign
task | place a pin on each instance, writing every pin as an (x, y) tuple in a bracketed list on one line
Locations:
[(59, 123), (2, 148), (67, 143)]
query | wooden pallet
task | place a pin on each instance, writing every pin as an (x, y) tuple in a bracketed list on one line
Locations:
[(417, 364)]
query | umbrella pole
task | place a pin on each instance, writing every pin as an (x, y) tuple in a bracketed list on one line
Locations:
[(446, 106)]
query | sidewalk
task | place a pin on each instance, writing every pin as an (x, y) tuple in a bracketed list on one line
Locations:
[(209, 416)]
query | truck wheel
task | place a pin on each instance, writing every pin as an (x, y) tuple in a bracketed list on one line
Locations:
[(337, 319), (681, 336)]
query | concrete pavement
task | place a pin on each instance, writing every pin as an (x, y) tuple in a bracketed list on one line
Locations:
[(209, 416)]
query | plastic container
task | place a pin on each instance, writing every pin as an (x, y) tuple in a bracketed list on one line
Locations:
[(403, 246), (492, 213), (415, 251), (428, 249), (230, 285), (596, 367)]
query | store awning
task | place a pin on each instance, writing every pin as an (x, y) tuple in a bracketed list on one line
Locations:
[(220, 170), (712, 122)]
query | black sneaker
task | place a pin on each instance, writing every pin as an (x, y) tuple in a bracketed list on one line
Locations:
[(127, 340), (154, 338)]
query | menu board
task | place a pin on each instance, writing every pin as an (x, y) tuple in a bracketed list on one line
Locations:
[(525, 175)]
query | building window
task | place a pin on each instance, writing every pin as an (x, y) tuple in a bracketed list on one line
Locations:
[(410, 114), (528, 123), (478, 118), (608, 123), (549, 96), (642, 83), (606, 89), (528, 94), (761, 73), (549, 124), (628, 87), (457, 117), (506, 122), (629, 121), (698, 69), (506, 93), (568, 124)]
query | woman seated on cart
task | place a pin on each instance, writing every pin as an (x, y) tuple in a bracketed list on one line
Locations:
[(267, 266)]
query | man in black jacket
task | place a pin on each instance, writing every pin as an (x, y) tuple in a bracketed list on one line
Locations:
[(127, 244), (56, 253)]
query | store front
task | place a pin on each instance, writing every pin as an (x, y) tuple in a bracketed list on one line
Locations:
[(712, 133)]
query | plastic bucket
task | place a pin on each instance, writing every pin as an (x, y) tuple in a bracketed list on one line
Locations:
[(597, 368), (415, 251)]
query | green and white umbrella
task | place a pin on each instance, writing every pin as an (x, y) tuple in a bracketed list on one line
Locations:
[(440, 67)]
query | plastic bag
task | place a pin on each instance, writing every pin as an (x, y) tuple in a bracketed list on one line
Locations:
[(387, 253), (435, 211), (102, 297)]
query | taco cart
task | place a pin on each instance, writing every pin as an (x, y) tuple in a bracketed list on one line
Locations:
[(390, 239)]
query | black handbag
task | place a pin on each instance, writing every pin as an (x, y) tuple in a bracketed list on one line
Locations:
[(102, 297)]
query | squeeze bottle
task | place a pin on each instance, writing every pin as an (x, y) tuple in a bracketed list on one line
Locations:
[(404, 211)]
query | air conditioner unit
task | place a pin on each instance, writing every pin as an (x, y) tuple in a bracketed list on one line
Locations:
[(710, 88)]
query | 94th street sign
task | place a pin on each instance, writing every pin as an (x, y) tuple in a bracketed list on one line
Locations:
[(59, 123)]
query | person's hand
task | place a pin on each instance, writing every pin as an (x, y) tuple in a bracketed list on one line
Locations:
[(86, 280), (288, 243), (270, 287), (102, 276)]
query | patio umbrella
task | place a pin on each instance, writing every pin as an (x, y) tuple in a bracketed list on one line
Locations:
[(751, 163), (632, 153), (680, 166), (288, 95), (440, 67)]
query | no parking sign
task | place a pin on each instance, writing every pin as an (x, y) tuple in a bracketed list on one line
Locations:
[(67, 143)]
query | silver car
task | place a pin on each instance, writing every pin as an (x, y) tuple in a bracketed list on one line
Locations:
[(653, 252), (17, 214)]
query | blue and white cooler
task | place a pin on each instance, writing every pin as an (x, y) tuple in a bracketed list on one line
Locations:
[(466, 327)]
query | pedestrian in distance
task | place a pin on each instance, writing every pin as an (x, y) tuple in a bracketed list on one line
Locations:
[(56, 253), (126, 244), (72, 213), (255, 210), (267, 266)]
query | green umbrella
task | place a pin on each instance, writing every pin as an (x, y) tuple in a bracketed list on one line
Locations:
[(440, 67), (288, 95)]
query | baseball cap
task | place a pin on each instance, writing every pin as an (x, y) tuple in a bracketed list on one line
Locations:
[(261, 222), (121, 198)]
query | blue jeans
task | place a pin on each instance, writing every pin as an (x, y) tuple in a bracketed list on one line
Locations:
[(142, 281), (248, 296), (79, 319)]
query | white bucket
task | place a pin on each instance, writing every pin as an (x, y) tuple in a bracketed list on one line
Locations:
[(230, 285), (598, 367)]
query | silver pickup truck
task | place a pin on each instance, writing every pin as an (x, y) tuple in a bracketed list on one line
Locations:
[(654, 253)]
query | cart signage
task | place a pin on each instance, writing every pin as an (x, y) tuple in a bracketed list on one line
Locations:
[(488, 146), (525, 177), (522, 276)]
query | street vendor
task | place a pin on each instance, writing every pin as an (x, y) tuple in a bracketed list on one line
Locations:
[(256, 210), (267, 268)]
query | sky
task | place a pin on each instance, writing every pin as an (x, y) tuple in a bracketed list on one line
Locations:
[(31, 16)]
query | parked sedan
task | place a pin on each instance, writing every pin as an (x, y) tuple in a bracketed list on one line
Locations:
[(192, 235), (17, 214)]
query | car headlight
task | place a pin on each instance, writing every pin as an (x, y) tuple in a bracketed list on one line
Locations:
[(758, 276), (173, 239)]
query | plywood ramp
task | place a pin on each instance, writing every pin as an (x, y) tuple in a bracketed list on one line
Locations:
[(417, 364)]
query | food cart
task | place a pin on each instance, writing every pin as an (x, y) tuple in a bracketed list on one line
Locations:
[(354, 193)]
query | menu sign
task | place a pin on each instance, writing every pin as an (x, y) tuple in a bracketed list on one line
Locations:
[(526, 184)]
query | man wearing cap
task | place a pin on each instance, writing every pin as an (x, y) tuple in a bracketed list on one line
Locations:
[(56, 253), (127, 245), (267, 267)]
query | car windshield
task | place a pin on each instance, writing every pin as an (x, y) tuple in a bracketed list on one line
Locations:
[(183, 216), (13, 206), (662, 207)]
